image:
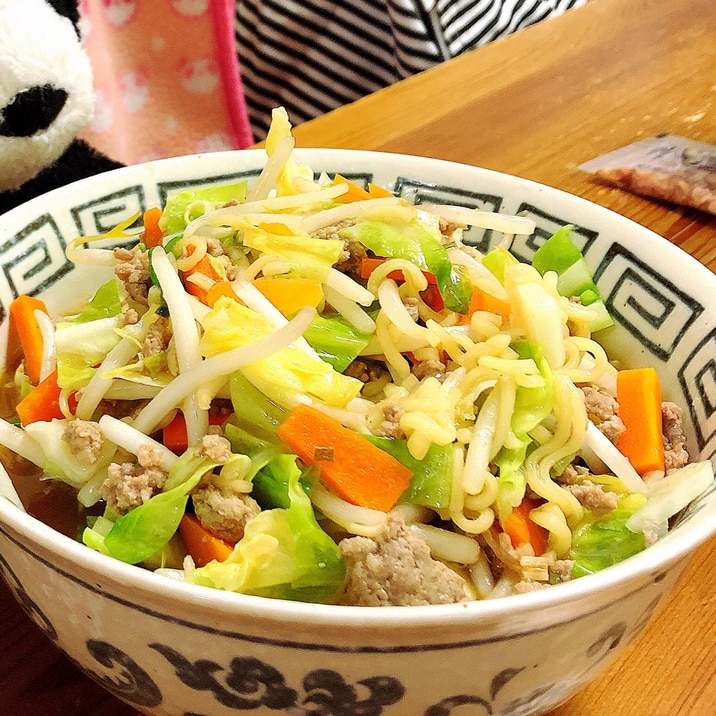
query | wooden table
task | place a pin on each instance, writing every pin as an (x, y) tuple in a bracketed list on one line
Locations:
[(536, 104)]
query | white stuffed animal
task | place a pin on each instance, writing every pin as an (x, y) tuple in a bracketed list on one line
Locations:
[(46, 98)]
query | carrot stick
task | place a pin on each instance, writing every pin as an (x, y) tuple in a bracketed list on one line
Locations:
[(217, 290), (352, 467), (290, 295), (42, 402), (153, 234), (202, 545), (377, 192), (639, 398), (206, 273), (522, 530), (24, 323), (354, 193), (484, 301)]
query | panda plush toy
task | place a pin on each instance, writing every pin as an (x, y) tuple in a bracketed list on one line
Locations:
[(46, 98)]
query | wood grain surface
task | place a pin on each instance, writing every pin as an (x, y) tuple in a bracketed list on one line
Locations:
[(536, 105)]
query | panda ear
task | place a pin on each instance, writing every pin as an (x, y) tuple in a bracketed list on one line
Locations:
[(67, 9)]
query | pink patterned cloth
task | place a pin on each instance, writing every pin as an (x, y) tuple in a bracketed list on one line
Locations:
[(166, 77)]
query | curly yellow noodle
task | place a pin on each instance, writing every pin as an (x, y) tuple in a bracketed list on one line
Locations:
[(551, 517), (394, 308), (486, 496), (566, 440), (496, 346), (484, 325), (268, 264), (454, 344), (580, 319), (417, 423), (408, 290), (523, 371), (578, 372), (474, 525), (456, 505), (188, 260), (572, 356), (419, 443), (414, 277), (474, 389), (397, 364)]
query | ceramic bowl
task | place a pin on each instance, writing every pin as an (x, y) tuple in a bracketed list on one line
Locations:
[(166, 647)]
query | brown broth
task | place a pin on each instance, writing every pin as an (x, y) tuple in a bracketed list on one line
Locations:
[(50, 501)]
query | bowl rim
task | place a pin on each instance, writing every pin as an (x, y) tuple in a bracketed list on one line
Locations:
[(655, 560)]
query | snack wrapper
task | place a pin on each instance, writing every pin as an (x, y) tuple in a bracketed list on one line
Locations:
[(669, 167)]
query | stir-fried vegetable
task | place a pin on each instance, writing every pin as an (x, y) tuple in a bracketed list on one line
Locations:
[(317, 384)]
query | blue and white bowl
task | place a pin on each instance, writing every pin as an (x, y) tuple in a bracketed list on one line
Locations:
[(166, 647)]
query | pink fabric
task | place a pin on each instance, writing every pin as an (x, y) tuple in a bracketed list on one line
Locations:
[(166, 76)]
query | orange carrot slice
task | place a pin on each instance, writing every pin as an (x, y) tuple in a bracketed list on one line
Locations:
[(522, 530), (42, 402), (639, 398), (351, 466), (23, 322), (202, 545)]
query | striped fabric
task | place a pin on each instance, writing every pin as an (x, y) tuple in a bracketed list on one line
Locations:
[(312, 56)]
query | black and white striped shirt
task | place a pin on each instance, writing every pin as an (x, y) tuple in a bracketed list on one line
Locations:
[(312, 56)]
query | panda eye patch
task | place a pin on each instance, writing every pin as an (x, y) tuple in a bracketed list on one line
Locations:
[(66, 9), (32, 110)]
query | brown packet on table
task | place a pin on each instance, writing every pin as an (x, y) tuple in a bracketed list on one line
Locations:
[(668, 167)]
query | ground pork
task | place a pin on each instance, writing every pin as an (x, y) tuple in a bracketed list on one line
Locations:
[(130, 316), (396, 568), (561, 570), (214, 446), (214, 246), (365, 371), (572, 473), (429, 369), (390, 427), (129, 485), (411, 306), (353, 254), (594, 497), (85, 440), (133, 272), (447, 228), (675, 454), (150, 456), (159, 334), (223, 512), (603, 411)]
